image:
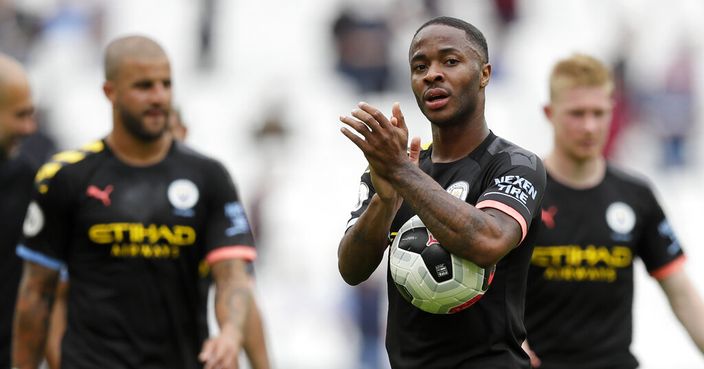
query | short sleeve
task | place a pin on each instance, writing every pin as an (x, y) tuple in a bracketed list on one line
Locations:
[(48, 219), (659, 247), (364, 195), (228, 234), (516, 187)]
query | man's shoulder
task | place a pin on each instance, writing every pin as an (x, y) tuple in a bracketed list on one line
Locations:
[(186, 155), (184, 152), (68, 163), (627, 178), (518, 155)]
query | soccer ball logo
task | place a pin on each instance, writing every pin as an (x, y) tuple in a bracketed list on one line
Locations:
[(431, 278)]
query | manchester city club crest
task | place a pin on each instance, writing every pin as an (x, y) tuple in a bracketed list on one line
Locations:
[(183, 196), (459, 190), (621, 219)]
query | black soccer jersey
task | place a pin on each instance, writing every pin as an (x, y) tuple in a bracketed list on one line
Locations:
[(498, 174), (132, 239), (15, 188), (580, 285)]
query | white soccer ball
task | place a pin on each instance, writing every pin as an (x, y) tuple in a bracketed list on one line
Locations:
[(431, 278)]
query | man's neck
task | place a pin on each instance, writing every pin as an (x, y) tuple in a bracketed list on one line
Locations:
[(575, 174), (136, 152), (455, 142)]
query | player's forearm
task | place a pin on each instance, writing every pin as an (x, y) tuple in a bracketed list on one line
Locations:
[(461, 228), (693, 321), (690, 313), (232, 296), (254, 343), (34, 301), (57, 327), (231, 318), (31, 325), (362, 247), (687, 304)]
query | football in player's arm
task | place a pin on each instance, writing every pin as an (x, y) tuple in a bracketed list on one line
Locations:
[(470, 189)]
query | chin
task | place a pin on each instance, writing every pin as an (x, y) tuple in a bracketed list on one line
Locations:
[(443, 121), (585, 157), (146, 134)]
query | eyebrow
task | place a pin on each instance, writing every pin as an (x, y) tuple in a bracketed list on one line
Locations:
[(449, 50), (443, 51)]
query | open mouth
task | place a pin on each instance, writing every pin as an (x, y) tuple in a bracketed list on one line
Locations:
[(436, 98)]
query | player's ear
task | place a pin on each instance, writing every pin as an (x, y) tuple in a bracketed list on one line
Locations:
[(486, 75), (109, 90), (547, 110)]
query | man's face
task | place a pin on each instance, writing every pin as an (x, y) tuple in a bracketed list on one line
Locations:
[(580, 117), (141, 94), (447, 74), (16, 115)]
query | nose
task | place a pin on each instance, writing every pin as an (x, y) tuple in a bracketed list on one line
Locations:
[(591, 123), (434, 74), (161, 94)]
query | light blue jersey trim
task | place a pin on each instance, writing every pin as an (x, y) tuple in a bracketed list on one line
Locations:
[(28, 254), (63, 274)]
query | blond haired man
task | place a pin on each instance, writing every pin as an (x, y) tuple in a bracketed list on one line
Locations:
[(596, 219)]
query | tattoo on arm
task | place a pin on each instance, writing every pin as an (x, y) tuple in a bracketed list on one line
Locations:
[(232, 293), (34, 300), (483, 237)]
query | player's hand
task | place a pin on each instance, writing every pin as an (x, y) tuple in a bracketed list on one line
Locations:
[(221, 352), (383, 141), (383, 188), (414, 150)]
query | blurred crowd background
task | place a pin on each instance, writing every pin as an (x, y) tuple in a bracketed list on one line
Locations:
[(260, 85)]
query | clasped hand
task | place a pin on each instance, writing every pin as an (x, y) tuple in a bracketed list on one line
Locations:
[(384, 143)]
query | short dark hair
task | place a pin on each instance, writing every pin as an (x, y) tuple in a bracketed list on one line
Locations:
[(474, 35), (129, 47)]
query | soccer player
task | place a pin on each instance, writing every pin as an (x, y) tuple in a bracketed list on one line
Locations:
[(16, 173), (132, 216), (458, 188), (254, 343), (596, 219)]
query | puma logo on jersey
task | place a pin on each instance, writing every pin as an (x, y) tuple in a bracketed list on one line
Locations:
[(102, 195), (548, 217)]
